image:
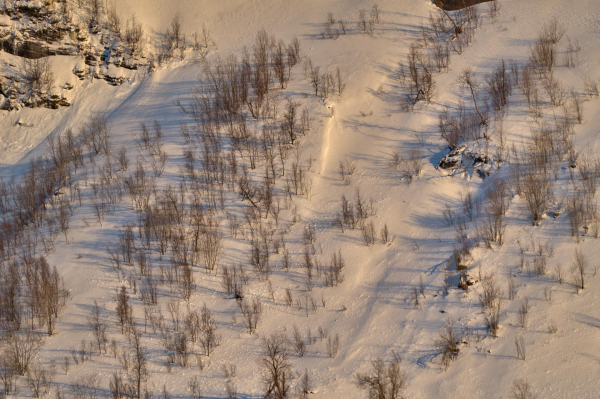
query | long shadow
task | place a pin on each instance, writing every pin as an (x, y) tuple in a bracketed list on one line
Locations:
[(588, 320)]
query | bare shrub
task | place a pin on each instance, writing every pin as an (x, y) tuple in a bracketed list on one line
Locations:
[(251, 313), (37, 77), (552, 327), (555, 90), (512, 288), (575, 212), (334, 276), (576, 106), (523, 312), (548, 294), (542, 55), (520, 346), (590, 87), (447, 344), (492, 319), (578, 269), (384, 381), (333, 344), (491, 293), (39, 380), (412, 166), (522, 389), (369, 233), (499, 86), (559, 274), (416, 298), (347, 169), (385, 235), (211, 242), (298, 343), (490, 300), (571, 55), (537, 190)]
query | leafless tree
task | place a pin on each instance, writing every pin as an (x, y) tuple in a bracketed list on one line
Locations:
[(21, 349), (139, 363), (468, 80), (520, 346), (365, 23), (176, 29), (375, 14), (209, 338), (114, 20), (98, 326), (96, 134), (134, 35), (39, 380), (7, 376), (52, 293), (553, 30), (303, 389), (458, 25), (494, 9), (420, 74), (194, 388), (276, 368)]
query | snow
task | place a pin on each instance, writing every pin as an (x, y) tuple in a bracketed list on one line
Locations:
[(371, 310)]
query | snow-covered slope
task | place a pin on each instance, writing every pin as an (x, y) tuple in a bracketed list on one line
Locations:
[(372, 311)]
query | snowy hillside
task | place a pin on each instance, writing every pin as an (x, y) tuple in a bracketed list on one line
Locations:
[(384, 182)]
